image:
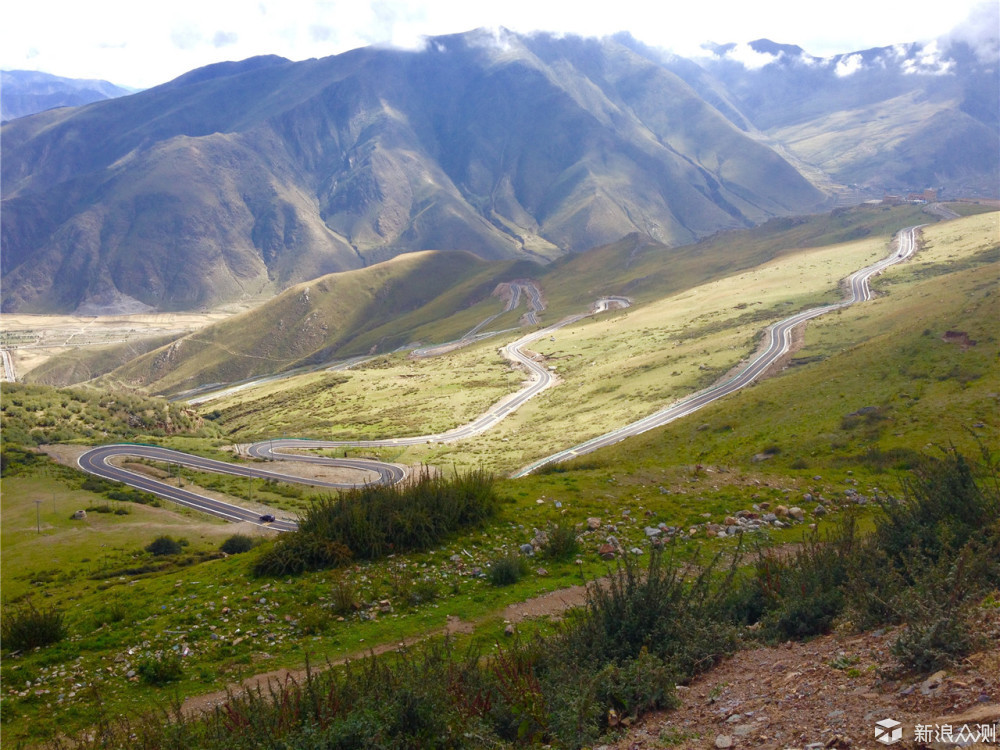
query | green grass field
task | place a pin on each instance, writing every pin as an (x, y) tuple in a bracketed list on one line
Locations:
[(871, 387)]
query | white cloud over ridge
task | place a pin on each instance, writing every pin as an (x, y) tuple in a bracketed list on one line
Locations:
[(750, 58), (139, 44), (847, 66)]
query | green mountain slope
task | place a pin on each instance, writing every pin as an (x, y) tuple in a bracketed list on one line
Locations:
[(436, 297), (375, 309)]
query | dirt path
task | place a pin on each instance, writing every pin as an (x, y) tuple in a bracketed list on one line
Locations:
[(551, 604)]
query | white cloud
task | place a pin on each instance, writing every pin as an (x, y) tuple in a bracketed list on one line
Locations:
[(142, 44), (928, 60), (848, 66), (981, 31), (750, 58)]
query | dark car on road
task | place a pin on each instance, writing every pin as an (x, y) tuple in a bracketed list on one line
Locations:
[(266, 518)]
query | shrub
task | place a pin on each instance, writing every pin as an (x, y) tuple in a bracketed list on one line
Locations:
[(943, 508), (314, 620), (376, 520), (237, 544), (159, 669), (562, 544), (26, 627), (681, 622), (938, 613), (804, 593), (345, 596), (507, 570), (164, 545)]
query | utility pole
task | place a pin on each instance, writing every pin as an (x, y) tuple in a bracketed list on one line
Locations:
[(38, 516)]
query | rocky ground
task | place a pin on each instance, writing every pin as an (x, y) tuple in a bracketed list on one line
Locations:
[(829, 693)]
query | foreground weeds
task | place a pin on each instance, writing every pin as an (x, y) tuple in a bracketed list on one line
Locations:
[(644, 629)]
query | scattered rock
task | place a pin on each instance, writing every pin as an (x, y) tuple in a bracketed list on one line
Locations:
[(723, 741), (819, 510), (593, 523), (932, 685), (79, 515)]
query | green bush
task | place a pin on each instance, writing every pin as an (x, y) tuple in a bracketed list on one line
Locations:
[(942, 509), (804, 593), (562, 544), (937, 612), (160, 669), (345, 596), (682, 622), (26, 626), (507, 569), (164, 545), (237, 544), (377, 520)]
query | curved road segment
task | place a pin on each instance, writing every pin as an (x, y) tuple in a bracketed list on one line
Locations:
[(779, 341), (97, 460)]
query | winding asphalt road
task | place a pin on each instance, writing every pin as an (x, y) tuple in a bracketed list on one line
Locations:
[(98, 460), (779, 336), (779, 341)]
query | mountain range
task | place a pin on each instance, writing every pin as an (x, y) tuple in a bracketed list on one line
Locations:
[(25, 92), (243, 178)]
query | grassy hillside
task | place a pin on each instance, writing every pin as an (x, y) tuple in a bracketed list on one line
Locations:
[(647, 271), (433, 298), (871, 388), (623, 365), (376, 309), (87, 363)]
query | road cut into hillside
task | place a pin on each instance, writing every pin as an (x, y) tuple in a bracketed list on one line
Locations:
[(778, 340)]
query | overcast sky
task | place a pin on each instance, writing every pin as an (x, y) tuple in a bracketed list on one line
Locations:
[(142, 44)]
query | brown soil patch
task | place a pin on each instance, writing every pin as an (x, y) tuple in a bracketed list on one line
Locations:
[(958, 337), (66, 455), (552, 604), (829, 691)]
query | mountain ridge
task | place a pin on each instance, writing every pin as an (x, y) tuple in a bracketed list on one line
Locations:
[(264, 173)]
